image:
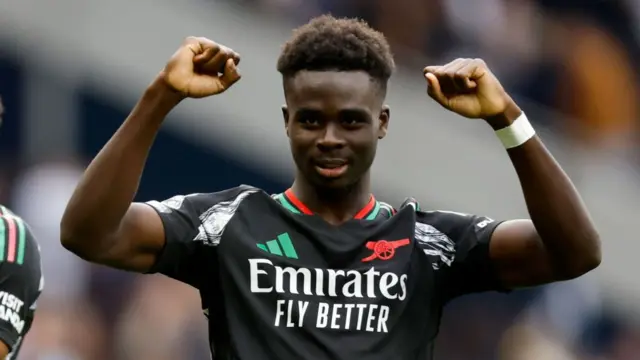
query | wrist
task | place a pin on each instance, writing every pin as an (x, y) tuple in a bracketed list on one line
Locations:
[(517, 133), (155, 104), (506, 118), (163, 94)]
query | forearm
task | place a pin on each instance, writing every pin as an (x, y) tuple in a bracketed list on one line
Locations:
[(555, 206), (111, 181)]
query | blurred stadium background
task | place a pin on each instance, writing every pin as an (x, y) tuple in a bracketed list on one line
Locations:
[(70, 71)]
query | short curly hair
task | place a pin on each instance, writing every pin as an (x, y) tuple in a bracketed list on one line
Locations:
[(341, 44)]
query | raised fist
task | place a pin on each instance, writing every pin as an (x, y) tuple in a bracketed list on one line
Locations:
[(201, 68), (467, 87)]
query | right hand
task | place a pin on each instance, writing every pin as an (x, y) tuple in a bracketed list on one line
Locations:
[(201, 68)]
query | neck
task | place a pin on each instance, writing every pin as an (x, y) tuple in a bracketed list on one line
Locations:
[(334, 205)]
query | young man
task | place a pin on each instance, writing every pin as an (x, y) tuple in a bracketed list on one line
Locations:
[(20, 279), (324, 270)]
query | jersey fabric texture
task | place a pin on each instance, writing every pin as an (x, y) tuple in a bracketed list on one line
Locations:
[(278, 282), (21, 280)]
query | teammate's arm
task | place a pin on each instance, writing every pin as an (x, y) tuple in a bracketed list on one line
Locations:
[(560, 241), (100, 223), (20, 281)]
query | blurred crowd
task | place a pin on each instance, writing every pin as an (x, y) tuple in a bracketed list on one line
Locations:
[(544, 51), (580, 57)]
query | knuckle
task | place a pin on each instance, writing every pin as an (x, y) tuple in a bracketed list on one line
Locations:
[(207, 42), (190, 40), (224, 51)]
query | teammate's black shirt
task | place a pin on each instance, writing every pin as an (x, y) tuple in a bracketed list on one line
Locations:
[(20, 280), (279, 283)]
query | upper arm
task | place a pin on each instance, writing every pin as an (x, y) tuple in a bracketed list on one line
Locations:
[(520, 257), (184, 249), (491, 255), (177, 236), (137, 243), (462, 243), (20, 281), (174, 236), (159, 236)]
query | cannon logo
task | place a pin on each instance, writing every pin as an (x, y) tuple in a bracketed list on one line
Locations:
[(384, 249)]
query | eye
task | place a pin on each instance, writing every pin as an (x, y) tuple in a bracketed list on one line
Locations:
[(354, 118), (351, 121), (309, 121)]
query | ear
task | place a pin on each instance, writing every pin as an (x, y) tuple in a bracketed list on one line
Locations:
[(384, 117), (285, 115)]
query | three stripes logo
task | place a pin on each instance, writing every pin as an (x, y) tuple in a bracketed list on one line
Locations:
[(281, 246), (12, 239)]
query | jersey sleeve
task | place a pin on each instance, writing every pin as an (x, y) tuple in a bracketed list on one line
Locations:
[(21, 279), (193, 226), (460, 243)]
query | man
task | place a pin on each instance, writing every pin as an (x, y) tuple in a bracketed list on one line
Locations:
[(324, 270), (20, 279)]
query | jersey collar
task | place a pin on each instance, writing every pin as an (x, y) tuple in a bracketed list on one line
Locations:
[(291, 202)]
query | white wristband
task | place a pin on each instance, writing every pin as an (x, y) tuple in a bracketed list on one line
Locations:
[(517, 133)]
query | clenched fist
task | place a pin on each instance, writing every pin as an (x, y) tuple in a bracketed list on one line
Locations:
[(201, 68), (467, 87)]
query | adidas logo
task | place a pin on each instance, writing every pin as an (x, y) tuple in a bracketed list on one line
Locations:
[(281, 246)]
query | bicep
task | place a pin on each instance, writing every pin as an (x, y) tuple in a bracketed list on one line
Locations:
[(519, 256), (138, 242)]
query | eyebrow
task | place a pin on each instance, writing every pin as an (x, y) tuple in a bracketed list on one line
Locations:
[(348, 111)]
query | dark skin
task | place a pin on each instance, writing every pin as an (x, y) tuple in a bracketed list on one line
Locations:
[(4, 350), (334, 115), (329, 115), (560, 241)]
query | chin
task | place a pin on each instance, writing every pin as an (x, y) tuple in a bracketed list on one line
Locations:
[(339, 183)]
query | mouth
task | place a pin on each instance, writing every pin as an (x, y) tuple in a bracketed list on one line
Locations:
[(331, 168)]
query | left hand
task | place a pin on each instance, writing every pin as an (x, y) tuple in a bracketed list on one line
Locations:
[(468, 88)]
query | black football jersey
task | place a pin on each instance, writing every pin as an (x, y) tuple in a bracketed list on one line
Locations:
[(21, 280), (278, 282)]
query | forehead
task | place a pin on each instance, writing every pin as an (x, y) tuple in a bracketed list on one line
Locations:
[(332, 89)]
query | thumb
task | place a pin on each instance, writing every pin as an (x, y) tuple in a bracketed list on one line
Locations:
[(230, 75), (433, 89)]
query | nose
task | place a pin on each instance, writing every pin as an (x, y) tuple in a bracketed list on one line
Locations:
[(331, 138)]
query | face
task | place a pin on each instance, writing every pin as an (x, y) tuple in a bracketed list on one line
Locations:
[(334, 121)]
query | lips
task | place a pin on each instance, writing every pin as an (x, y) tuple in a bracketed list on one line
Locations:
[(331, 163), (331, 168)]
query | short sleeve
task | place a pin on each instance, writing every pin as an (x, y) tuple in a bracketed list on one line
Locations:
[(193, 226), (464, 266), (21, 279)]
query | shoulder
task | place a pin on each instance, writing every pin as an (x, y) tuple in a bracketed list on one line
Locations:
[(447, 236), (201, 202), (18, 245), (445, 220), (451, 220), (19, 253), (201, 217)]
